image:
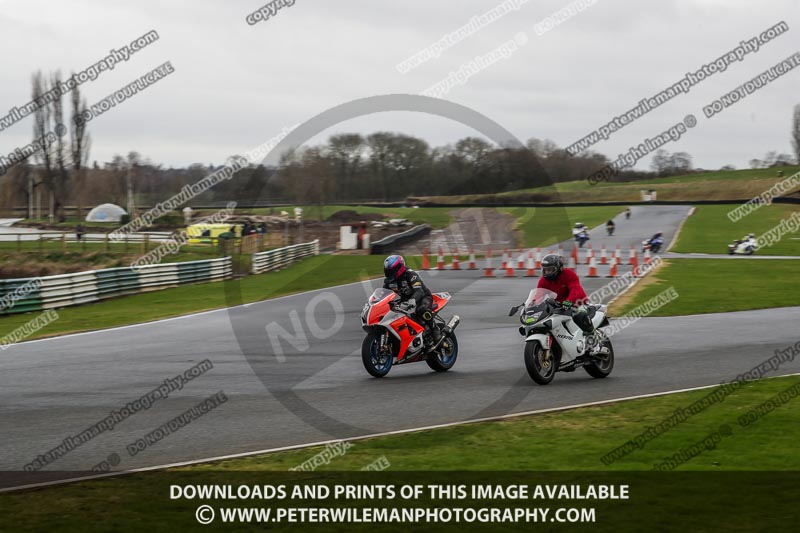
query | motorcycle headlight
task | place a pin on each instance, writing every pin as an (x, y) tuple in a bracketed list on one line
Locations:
[(530, 319)]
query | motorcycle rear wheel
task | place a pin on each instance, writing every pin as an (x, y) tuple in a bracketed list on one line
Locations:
[(377, 364), (445, 355), (603, 367), (540, 368)]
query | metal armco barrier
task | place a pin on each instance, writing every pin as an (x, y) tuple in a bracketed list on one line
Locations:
[(65, 290), (280, 257), (390, 242)]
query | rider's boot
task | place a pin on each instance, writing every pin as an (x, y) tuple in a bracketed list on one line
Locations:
[(432, 334), (596, 346)]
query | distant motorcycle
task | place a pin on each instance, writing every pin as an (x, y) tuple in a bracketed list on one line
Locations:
[(394, 337), (610, 230), (742, 247), (653, 245), (554, 343), (581, 237)]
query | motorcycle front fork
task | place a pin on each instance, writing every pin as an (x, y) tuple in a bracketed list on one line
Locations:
[(384, 341)]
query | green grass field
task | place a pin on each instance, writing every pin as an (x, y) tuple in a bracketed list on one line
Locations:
[(738, 285), (709, 230), (569, 441), (535, 224), (716, 185), (308, 274)]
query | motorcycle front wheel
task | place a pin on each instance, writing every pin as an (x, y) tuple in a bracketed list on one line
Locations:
[(445, 355), (541, 365), (376, 363)]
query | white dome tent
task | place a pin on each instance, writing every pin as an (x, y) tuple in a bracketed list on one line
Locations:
[(106, 213)]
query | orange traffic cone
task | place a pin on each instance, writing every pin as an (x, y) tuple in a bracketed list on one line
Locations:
[(472, 265), (440, 260), (573, 264), (531, 272), (425, 262), (589, 254), (635, 270), (632, 258), (538, 257), (647, 257), (456, 264), (575, 254), (612, 270), (521, 260), (603, 258), (592, 269), (618, 255), (504, 264), (489, 272)]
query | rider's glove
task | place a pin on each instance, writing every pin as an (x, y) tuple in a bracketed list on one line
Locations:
[(567, 304)]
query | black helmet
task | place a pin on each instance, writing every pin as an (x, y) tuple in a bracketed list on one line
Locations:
[(552, 265), (394, 266)]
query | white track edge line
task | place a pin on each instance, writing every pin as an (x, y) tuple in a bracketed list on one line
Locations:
[(365, 437)]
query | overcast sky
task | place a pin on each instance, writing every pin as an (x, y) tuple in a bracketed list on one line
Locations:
[(236, 85)]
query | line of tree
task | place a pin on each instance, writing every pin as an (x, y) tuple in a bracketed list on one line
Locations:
[(348, 167)]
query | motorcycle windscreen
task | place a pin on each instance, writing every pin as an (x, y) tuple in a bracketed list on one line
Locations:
[(380, 294), (379, 305), (539, 295)]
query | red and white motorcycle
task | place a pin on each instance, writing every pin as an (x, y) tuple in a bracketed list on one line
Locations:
[(395, 337)]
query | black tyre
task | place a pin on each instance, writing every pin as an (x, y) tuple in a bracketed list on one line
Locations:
[(445, 355), (604, 363), (541, 367), (377, 364)]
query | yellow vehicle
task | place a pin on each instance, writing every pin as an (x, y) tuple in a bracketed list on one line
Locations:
[(210, 233)]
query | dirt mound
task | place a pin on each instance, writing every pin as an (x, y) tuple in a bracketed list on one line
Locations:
[(348, 215), (31, 265)]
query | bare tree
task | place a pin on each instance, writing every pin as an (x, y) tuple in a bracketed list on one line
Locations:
[(346, 151), (61, 174), (380, 147), (660, 163), (680, 163), (42, 135), (80, 142), (796, 133)]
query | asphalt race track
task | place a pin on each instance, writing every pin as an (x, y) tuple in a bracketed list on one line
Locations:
[(314, 388)]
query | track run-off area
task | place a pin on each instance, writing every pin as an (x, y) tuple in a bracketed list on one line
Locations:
[(290, 369)]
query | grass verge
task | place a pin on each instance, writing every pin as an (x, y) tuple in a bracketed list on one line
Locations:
[(718, 185), (739, 285), (569, 441), (534, 223), (709, 230), (309, 274)]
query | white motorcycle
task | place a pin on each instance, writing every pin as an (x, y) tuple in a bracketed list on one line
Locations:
[(555, 343), (742, 247)]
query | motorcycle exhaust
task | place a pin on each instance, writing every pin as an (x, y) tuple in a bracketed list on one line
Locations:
[(452, 324)]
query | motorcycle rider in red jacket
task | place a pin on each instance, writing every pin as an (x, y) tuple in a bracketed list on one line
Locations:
[(569, 293)]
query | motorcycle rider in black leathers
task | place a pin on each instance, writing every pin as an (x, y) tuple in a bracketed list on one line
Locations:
[(407, 283)]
